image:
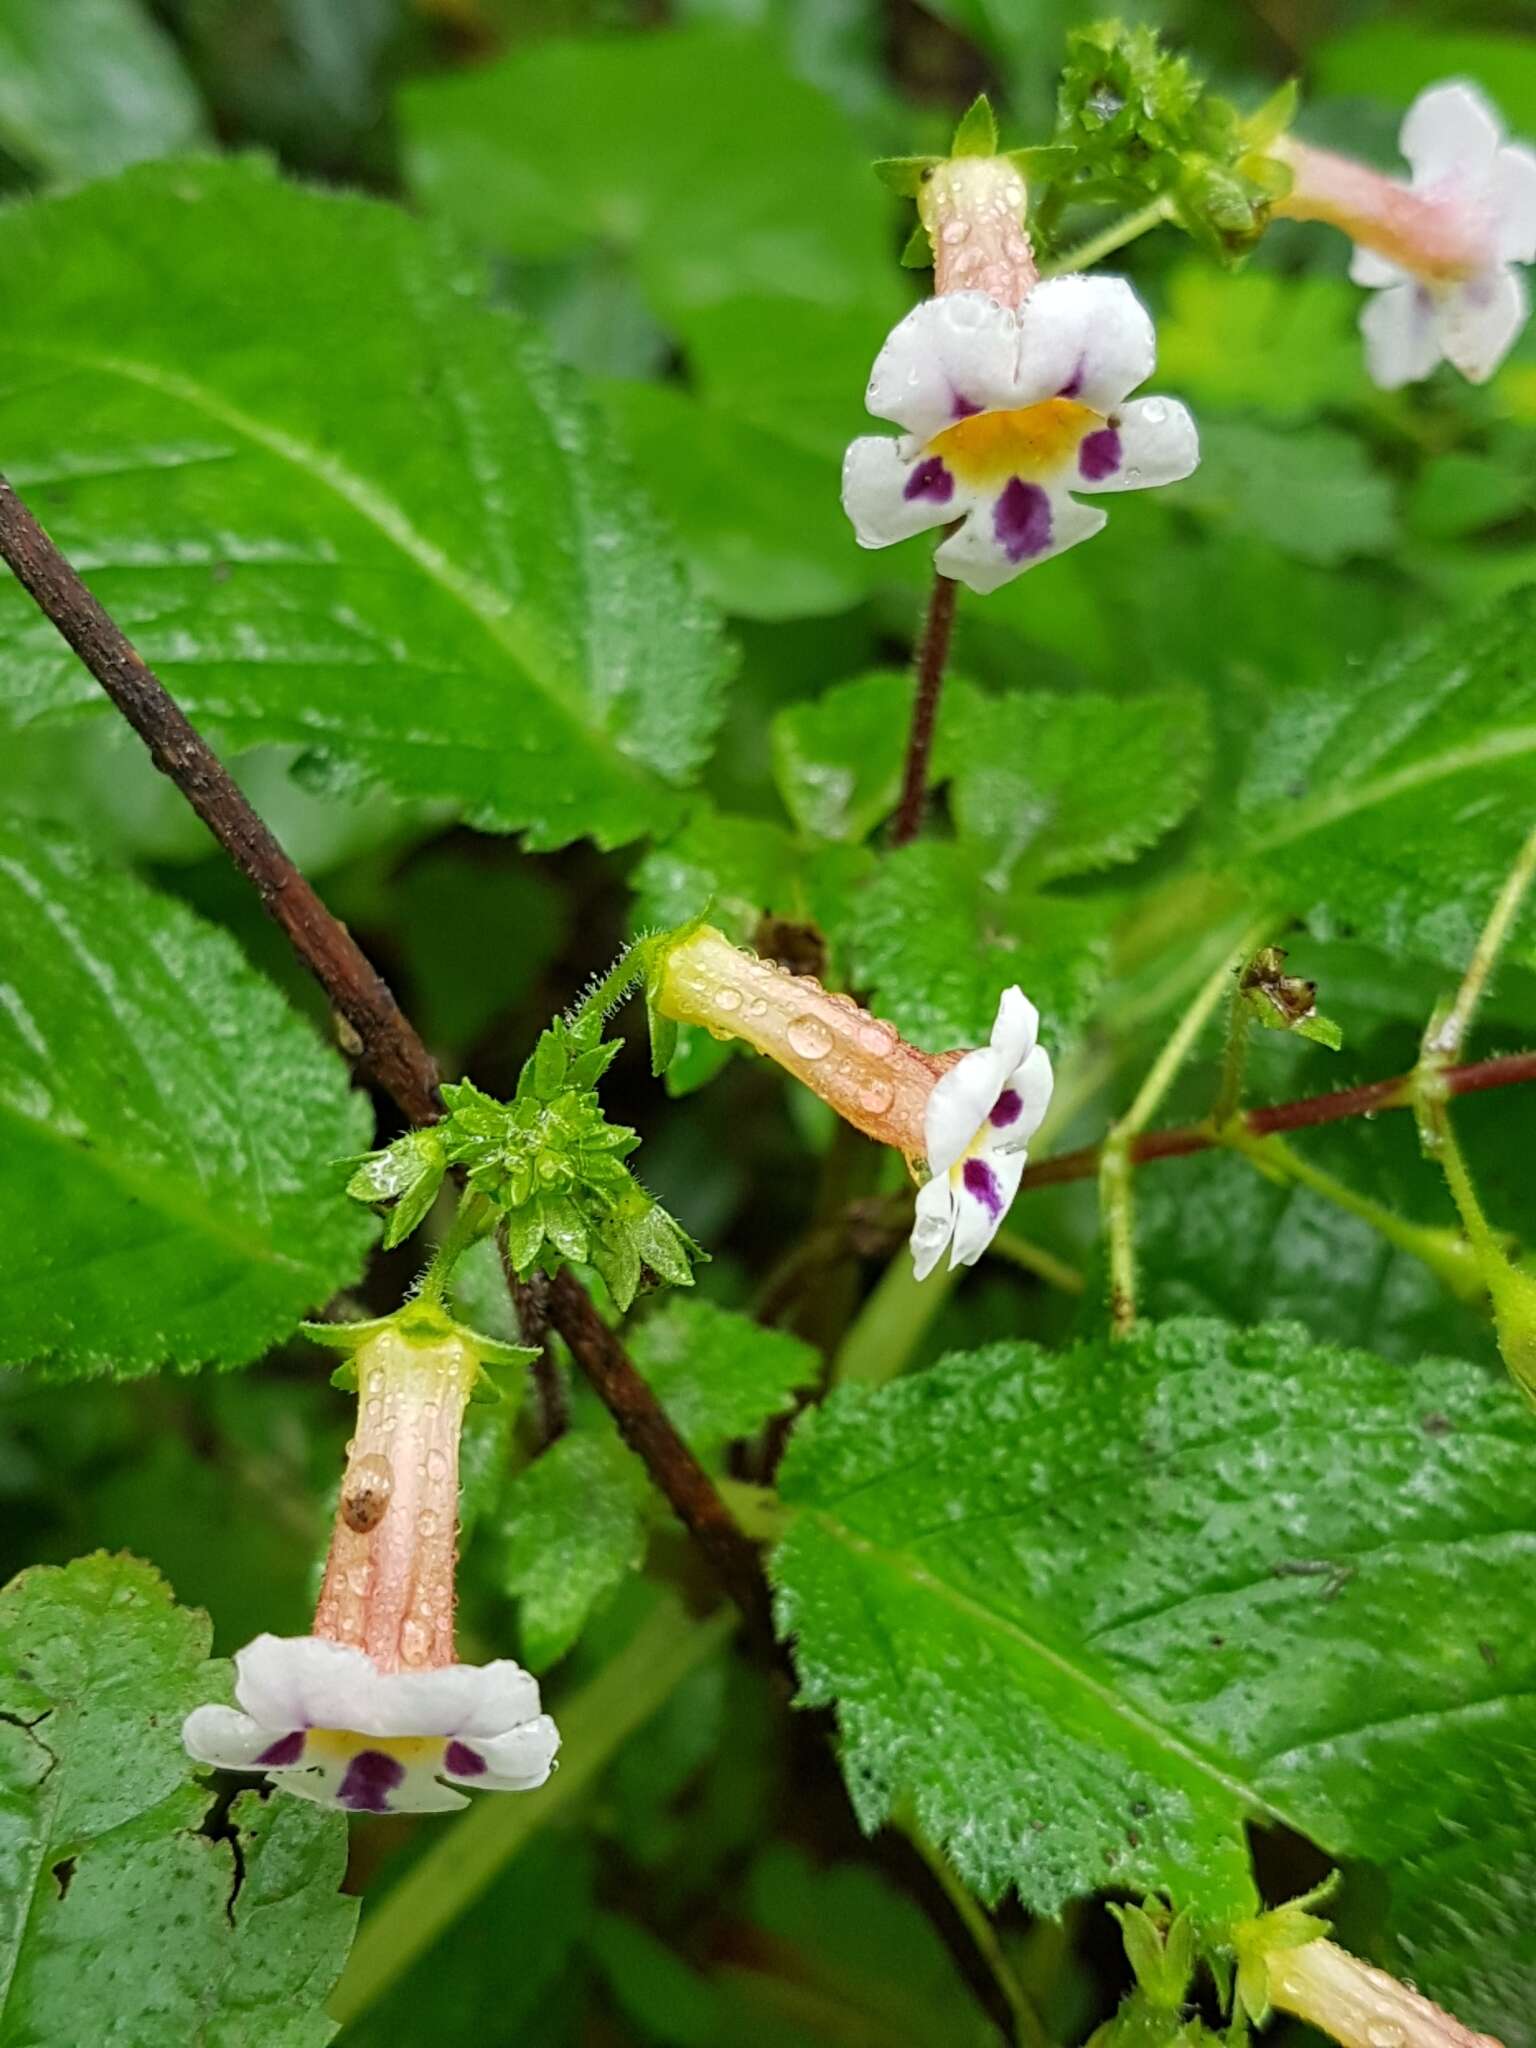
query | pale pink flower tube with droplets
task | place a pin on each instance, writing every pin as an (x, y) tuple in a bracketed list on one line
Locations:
[(1362, 2007), (389, 1585)]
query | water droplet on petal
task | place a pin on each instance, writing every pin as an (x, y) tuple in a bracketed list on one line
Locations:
[(877, 1037), (809, 1037), (727, 999), (877, 1098), (1154, 412), (437, 1467)]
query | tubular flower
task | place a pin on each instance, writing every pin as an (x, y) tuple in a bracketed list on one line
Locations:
[(961, 1119), (1007, 413), (1361, 2006), (371, 1712), (1439, 252)]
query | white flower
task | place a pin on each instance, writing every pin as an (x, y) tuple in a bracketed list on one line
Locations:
[(1454, 144), (978, 1123), (1006, 414), (328, 1725)]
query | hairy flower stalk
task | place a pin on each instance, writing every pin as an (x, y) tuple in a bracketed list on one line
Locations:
[(1358, 2005), (961, 1119), (371, 1712), (1439, 253)]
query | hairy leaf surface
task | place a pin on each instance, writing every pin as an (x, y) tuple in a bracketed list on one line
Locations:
[(171, 1127), (1092, 1611), (121, 1919), (338, 502), (1391, 807)]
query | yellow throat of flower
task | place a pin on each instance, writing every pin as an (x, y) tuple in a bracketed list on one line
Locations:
[(1032, 441)]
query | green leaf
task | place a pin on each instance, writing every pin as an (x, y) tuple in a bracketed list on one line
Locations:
[(1047, 786), (575, 1529), (1392, 62), (92, 86), (718, 1374), (423, 510), (837, 758), (936, 947), (1392, 806), (576, 1523), (753, 182), (1312, 491), (123, 1919), (758, 515), (1165, 1567), (1280, 346), (170, 1194)]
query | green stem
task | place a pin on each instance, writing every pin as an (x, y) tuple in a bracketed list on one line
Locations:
[(1034, 1258), (468, 1855), (1115, 1198), (474, 1218), (1115, 236), (1446, 1040), (1447, 1256), (891, 1324), (1028, 2031)]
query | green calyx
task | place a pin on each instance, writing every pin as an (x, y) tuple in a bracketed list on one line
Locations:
[(548, 1166), (1292, 1925), (421, 1321)]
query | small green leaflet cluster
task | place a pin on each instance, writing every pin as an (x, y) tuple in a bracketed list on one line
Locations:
[(549, 1162), (1140, 126)]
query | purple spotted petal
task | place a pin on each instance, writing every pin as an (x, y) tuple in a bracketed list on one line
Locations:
[(1005, 1110), (1021, 519), (371, 1777), (963, 408), (1099, 454), (1074, 383), (283, 1753), (981, 1182), (463, 1761), (930, 479)]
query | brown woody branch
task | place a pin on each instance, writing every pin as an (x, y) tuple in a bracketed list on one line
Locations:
[(392, 1049), (393, 1053), (1506, 1070)]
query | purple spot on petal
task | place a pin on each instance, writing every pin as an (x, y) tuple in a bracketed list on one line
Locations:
[(285, 1751), (1021, 519), (1005, 1110), (371, 1777), (930, 479), (1099, 455), (981, 1182), (1074, 383), (462, 1761), (963, 408)]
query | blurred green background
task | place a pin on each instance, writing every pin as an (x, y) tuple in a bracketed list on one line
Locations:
[(679, 195)]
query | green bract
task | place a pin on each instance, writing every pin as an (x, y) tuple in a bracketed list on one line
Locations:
[(549, 1163), (1141, 125)]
